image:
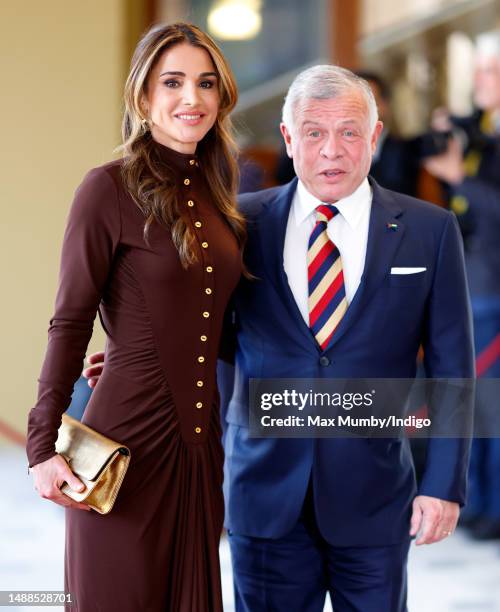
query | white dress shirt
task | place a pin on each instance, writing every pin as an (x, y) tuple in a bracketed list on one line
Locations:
[(348, 231)]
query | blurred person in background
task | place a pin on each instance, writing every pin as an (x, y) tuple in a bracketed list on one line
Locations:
[(154, 242), (396, 161), (470, 170)]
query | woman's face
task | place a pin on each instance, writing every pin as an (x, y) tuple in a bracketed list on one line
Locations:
[(182, 99)]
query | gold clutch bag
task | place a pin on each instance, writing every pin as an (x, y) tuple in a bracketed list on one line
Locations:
[(100, 463)]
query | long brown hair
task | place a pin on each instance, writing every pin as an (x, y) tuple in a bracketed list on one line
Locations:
[(151, 185)]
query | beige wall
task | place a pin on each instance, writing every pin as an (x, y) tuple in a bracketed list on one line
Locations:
[(62, 73)]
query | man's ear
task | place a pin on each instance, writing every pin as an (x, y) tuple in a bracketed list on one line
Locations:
[(287, 138), (377, 130)]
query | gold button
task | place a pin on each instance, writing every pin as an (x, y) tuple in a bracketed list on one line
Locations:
[(206, 314), (203, 338), (197, 224), (191, 162), (187, 181), (208, 291), (199, 383), (201, 359), (199, 405), (190, 203), (197, 429), (204, 245), (209, 269)]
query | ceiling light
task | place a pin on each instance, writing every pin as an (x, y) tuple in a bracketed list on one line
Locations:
[(235, 19)]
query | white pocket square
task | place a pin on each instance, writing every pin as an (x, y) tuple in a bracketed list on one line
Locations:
[(407, 270)]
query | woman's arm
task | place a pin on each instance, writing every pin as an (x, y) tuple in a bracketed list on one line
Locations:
[(91, 238)]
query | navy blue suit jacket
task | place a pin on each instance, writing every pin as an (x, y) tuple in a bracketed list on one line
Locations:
[(363, 488)]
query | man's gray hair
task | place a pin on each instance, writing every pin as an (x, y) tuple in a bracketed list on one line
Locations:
[(324, 82)]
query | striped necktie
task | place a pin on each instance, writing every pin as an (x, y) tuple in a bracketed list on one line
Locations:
[(327, 299)]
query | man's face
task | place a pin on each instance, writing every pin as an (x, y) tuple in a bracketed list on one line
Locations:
[(331, 144), (487, 83)]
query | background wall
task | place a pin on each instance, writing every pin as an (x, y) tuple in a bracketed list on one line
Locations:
[(62, 66)]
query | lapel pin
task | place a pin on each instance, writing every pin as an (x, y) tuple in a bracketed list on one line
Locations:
[(392, 226)]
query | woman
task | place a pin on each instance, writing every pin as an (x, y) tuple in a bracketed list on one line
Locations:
[(154, 241)]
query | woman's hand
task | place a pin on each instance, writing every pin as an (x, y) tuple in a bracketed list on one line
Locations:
[(96, 361), (49, 477)]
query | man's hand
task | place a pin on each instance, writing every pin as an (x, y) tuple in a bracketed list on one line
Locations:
[(447, 166), (434, 519), (50, 475), (440, 120), (96, 361)]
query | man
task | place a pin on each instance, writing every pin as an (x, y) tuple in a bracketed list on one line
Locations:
[(307, 516), (304, 515), (472, 175)]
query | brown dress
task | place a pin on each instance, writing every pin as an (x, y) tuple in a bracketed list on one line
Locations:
[(158, 548)]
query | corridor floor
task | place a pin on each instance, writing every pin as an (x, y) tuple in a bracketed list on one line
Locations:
[(457, 575)]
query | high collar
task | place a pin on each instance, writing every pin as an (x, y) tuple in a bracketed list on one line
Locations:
[(180, 161)]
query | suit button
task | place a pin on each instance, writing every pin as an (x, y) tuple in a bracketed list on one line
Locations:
[(324, 361)]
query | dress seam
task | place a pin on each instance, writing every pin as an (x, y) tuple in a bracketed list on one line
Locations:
[(116, 373), (150, 326)]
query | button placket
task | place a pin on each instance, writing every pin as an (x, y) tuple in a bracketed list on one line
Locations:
[(207, 297), (207, 308)]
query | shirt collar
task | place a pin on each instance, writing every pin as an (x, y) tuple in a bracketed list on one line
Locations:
[(351, 208)]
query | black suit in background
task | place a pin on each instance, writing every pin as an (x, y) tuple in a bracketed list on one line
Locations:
[(395, 164)]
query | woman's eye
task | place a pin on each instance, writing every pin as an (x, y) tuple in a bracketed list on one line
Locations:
[(207, 84), (171, 83)]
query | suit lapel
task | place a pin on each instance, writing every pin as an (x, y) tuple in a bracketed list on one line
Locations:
[(272, 229), (385, 232)]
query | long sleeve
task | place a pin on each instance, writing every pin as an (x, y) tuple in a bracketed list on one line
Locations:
[(483, 197), (449, 355), (90, 241)]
